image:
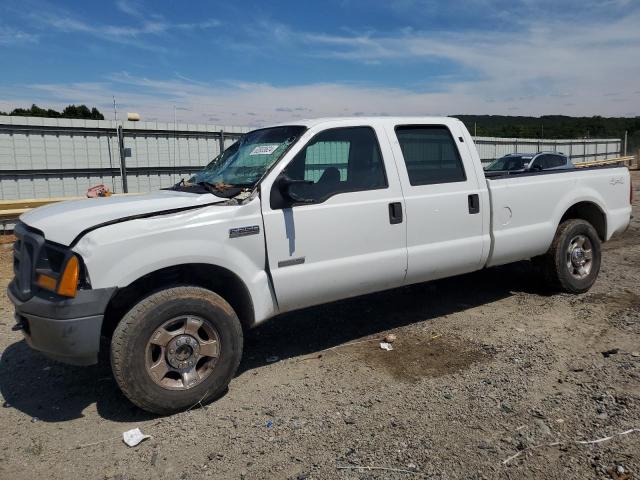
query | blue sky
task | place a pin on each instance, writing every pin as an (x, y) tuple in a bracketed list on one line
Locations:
[(255, 62)]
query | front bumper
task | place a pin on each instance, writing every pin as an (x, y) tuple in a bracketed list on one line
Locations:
[(65, 329)]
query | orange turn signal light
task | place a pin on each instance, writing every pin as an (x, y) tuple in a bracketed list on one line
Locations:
[(45, 281), (68, 285)]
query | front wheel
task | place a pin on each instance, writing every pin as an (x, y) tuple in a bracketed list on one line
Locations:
[(573, 260), (176, 348)]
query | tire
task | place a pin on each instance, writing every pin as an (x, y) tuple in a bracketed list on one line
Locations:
[(162, 332), (561, 264)]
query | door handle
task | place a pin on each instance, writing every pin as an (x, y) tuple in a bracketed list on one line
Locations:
[(395, 213), (474, 203)]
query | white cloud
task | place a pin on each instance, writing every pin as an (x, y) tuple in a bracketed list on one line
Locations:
[(537, 62), (259, 104), (11, 36), (547, 65), (130, 7), (134, 34)]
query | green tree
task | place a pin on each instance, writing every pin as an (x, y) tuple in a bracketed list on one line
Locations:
[(555, 126), (71, 111)]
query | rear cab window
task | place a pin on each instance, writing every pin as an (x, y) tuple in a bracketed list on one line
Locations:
[(430, 154)]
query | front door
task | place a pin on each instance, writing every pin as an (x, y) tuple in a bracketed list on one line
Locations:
[(346, 236)]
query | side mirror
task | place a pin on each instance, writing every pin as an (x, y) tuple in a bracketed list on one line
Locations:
[(285, 184)]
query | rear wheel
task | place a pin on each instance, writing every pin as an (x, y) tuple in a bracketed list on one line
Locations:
[(176, 348), (573, 260)]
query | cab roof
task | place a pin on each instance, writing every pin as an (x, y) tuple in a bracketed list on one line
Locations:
[(372, 120)]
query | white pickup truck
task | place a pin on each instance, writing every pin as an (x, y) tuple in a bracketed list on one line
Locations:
[(290, 216)]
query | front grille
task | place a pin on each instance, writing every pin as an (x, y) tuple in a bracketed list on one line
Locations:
[(26, 251)]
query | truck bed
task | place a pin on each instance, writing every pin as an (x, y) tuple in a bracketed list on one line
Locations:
[(528, 206)]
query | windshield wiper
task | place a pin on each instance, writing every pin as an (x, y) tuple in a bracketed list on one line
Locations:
[(223, 190), (176, 186)]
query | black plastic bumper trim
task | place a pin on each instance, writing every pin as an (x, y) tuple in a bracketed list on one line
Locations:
[(65, 329), (49, 305)]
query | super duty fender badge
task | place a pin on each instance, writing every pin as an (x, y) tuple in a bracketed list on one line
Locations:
[(244, 231)]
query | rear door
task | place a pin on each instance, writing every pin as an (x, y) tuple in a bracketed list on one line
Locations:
[(350, 239), (445, 203)]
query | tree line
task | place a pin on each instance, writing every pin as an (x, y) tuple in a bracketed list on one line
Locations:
[(554, 126), (70, 111)]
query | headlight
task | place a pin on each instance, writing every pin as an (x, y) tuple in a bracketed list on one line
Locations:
[(58, 271)]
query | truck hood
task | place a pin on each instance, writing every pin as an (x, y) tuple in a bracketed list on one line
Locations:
[(62, 222)]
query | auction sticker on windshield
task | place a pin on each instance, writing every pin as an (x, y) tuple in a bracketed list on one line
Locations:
[(264, 149)]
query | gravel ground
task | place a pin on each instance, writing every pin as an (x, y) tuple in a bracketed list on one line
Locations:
[(485, 366)]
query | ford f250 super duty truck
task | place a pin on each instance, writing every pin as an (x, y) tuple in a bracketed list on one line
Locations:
[(290, 216)]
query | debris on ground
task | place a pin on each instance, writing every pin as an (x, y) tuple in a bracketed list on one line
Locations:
[(134, 436), (611, 351), (390, 338), (575, 442), (386, 346), (619, 473), (98, 191)]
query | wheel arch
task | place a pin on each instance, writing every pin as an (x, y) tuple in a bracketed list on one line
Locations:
[(590, 212), (218, 279)]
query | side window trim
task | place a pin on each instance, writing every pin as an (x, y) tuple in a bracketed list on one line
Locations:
[(534, 161), (324, 198), (453, 142)]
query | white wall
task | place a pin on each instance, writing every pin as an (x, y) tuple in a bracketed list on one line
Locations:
[(49, 157)]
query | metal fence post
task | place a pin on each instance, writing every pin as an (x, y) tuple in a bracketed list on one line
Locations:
[(625, 143), (221, 141), (584, 152), (123, 166)]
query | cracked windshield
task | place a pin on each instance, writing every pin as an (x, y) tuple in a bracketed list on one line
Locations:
[(246, 161)]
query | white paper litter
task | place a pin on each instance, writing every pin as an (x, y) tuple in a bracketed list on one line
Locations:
[(134, 437), (386, 346)]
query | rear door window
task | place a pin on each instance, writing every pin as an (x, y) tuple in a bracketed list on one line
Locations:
[(430, 154), (554, 161), (547, 161)]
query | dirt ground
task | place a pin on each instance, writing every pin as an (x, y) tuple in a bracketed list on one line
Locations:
[(485, 366)]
